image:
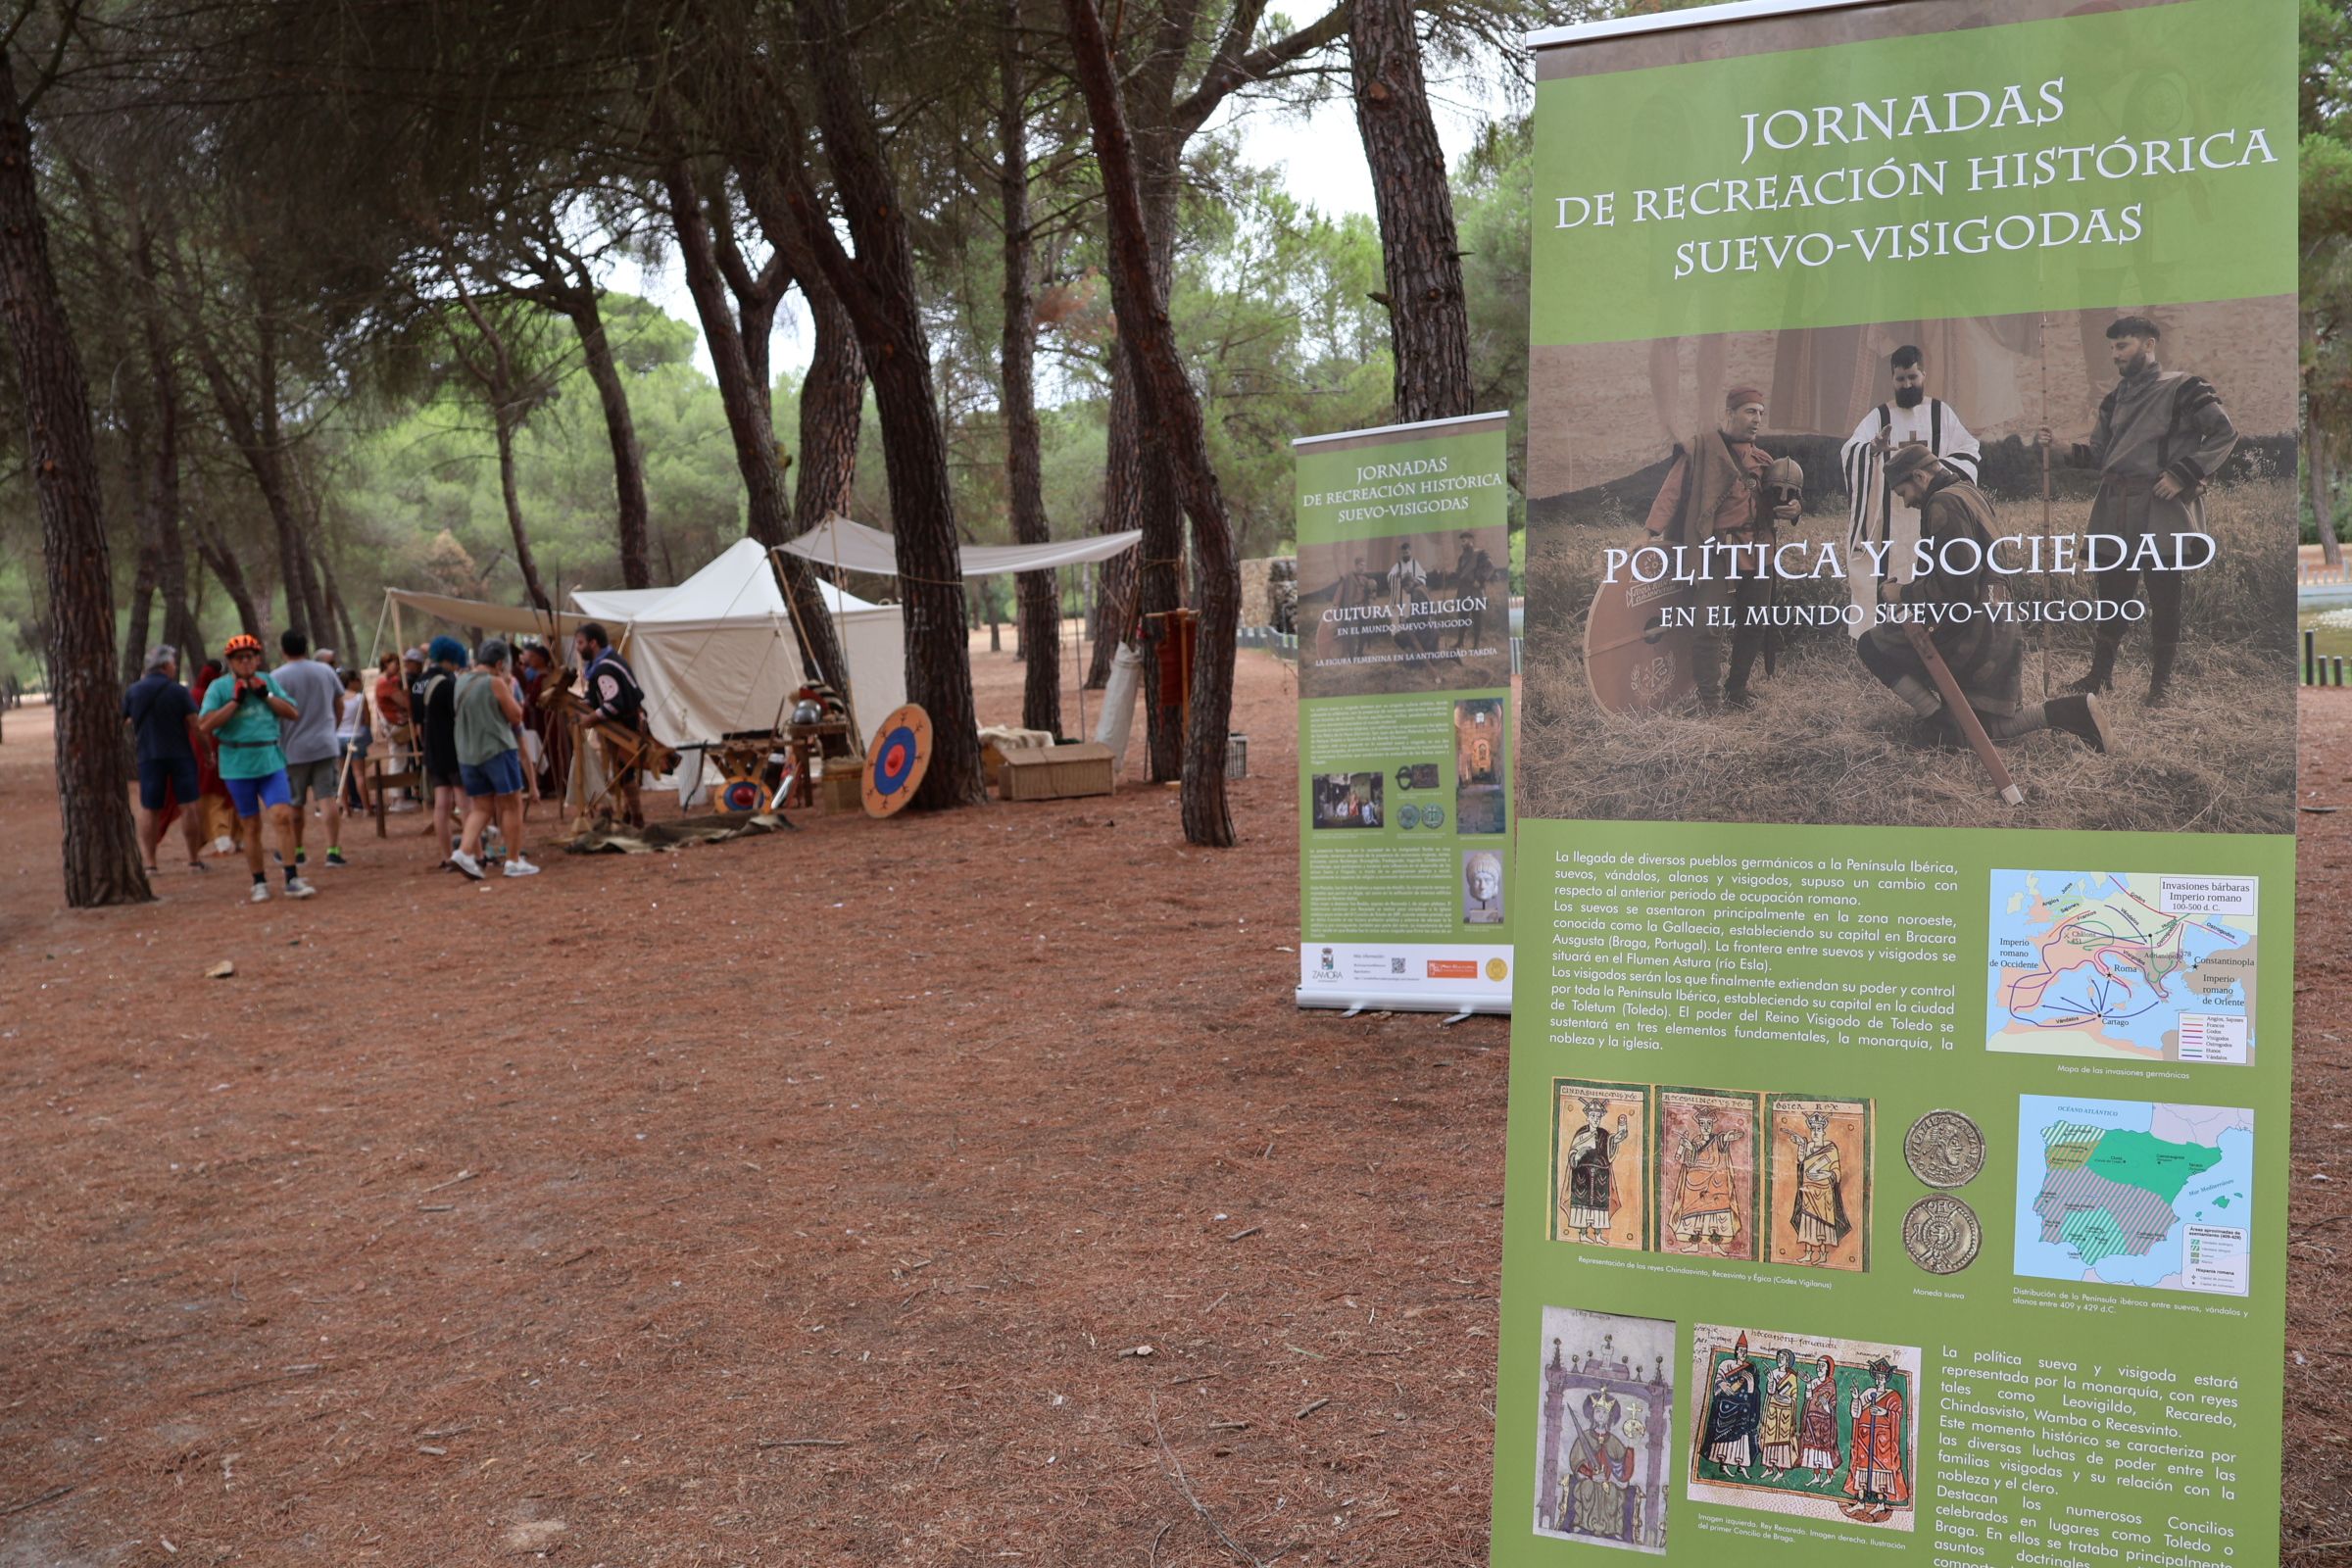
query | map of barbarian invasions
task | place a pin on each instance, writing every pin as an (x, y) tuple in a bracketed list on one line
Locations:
[(2122, 1192), (2130, 964)]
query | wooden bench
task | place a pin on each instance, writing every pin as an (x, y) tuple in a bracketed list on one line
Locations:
[(383, 776)]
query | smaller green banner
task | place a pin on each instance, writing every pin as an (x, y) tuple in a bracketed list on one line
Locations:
[(1405, 677)]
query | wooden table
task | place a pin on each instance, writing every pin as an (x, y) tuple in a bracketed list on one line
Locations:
[(807, 743)]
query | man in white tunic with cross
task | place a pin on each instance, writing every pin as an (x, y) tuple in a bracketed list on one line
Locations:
[(1877, 515)]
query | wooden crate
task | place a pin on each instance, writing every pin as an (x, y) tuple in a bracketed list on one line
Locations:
[(1056, 772), (839, 786)]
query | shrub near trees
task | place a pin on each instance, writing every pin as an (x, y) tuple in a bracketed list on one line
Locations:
[(346, 272)]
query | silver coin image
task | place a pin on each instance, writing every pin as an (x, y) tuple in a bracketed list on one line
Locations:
[(1943, 1234), (1945, 1149)]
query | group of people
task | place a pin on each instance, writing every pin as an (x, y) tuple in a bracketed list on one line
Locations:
[(1789, 1422), (263, 739), (277, 743), (1404, 590), (1911, 471)]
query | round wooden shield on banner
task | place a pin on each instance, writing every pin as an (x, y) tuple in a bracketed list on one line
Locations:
[(901, 752), (1637, 654)]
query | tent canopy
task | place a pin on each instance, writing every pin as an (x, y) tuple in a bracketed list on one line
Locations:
[(854, 547), (736, 583), (489, 616)]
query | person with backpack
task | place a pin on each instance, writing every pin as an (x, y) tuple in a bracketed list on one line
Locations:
[(486, 712), (432, 701)]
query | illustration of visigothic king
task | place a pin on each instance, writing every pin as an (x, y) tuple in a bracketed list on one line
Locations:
[(1602, 1441), (1706, 1173), (1600, 1138), (1819, 1204), (1591, 1174)]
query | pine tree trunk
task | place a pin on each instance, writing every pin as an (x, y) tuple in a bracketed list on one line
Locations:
[(749, 423), (1429, 320), (620, 430), (1157, 146), (137, 621), (881, 293), (310, 610), (2316, 459), (1172, 424), (1122, 489), (832, 411), (231, 577), (939, 673), (252, 434), (349, 646), (160, 484), (1038, 603), (512, 495), (101, 845)]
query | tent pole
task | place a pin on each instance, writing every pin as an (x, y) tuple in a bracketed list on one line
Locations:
[(343, 770), (841, 637), (1077, 644)]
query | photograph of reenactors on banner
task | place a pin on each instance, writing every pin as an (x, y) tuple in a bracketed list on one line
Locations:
[(1717, 492), (1985, 658), (1417, 611), (1851, 597), (2160, 436)]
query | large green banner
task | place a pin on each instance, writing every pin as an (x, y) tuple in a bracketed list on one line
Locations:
[(1405, 895), (1899, 1084)]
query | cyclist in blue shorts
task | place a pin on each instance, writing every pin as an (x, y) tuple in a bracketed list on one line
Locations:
[(241, 712)]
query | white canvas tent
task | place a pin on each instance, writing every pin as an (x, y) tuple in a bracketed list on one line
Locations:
[(717, 654)]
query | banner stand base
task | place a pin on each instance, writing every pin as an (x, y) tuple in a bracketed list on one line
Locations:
[(1460, 1007)]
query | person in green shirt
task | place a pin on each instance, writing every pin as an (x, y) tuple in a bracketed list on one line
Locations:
[(488, 762), (241, 710)]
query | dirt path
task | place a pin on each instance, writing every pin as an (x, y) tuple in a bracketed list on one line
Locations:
[(793, 1202)]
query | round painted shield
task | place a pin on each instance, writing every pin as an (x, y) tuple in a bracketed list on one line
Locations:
[(739, 796), (901, 752), (1638, 640)]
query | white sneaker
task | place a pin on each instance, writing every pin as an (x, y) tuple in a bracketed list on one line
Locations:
[(518, 866), (260, 893), (466, 863), (297, 888)]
